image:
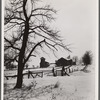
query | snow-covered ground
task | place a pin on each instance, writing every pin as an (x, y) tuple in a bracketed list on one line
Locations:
[(78, 86)]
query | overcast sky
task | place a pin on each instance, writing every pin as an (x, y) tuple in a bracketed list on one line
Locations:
[(77, 21)]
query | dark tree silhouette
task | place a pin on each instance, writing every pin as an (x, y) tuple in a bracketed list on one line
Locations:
[(64, 62), (87, 59), (27, 28), (43, 63)]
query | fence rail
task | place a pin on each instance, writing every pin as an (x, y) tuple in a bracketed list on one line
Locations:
[(40, 72)]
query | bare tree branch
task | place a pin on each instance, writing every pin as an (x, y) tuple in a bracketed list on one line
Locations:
[(11, 45), (59, 44), (38, 44), (46, 8)]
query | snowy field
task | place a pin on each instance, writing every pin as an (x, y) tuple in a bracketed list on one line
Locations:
[(78, 86)]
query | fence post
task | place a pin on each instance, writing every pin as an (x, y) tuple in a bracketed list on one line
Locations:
[(69, 70), (62, 71), (28, 74), (54, 72), (42, 74)]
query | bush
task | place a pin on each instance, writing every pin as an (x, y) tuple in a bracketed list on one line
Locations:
[(30, 85), (87, 58)]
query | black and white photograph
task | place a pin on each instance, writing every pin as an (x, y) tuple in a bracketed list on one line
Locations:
[(50, 49)]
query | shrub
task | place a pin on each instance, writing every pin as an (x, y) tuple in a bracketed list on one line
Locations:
[(87, 59)]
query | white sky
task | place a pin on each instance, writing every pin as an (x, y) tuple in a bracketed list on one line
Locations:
[(77, 21)]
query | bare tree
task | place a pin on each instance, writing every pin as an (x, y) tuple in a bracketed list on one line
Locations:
[(27, 28), (75, 60), (87, 59)]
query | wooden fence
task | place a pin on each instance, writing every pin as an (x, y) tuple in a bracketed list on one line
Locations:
[(40, 72)]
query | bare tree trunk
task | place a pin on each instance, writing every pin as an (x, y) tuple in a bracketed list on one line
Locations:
[(22, 51), (21, 57), (19, 76)]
